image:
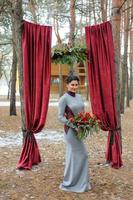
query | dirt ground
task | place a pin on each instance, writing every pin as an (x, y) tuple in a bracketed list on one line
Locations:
[(42, 182)]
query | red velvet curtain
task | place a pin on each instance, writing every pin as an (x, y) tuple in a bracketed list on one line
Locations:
[(36, 46), (102, 86)]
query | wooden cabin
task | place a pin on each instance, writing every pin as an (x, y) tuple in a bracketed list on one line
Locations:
[(59, 73)]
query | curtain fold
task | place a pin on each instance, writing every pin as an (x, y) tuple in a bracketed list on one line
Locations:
[(102, 86), (36, 47)]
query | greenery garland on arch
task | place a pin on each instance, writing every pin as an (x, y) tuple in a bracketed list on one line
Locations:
[(69, 55)]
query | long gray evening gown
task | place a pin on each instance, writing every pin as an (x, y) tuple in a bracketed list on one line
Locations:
[(76, 177)]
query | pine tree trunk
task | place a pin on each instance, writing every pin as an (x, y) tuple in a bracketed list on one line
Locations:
[(13, 84), (104, 10), (72, 23), (124, 87), (128, 91), (81, 26), (131, 80), (116, 20), (1, 60), (109, 8), (32, 8), (56, 29), (87, 16), (131, 64), (17, 20), (130, 38), (94, 13)]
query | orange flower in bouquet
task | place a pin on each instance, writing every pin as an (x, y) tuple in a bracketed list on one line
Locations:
[(85, 124)]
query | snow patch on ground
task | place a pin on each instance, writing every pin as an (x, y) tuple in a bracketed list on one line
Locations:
[(16, 140)]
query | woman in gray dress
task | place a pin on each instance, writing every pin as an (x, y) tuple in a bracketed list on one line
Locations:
[(76, 177)]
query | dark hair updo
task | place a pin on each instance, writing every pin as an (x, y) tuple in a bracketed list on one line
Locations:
[(72, 77)]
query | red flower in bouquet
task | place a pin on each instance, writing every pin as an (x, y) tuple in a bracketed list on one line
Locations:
[(72, 119), (85, 123), (87, 115)]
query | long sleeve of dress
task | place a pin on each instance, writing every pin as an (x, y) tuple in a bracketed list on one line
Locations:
[(61, 113)]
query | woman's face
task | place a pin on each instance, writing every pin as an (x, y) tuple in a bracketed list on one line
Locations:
[(73, 86)]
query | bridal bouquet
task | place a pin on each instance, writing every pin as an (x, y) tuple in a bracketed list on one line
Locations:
[(85, 124)]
